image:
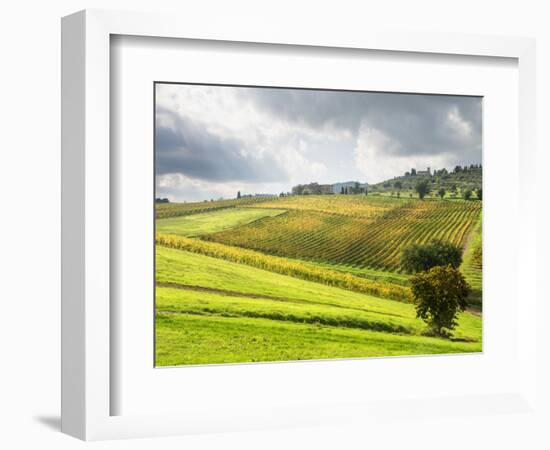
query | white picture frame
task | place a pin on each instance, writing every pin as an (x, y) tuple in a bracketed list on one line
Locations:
[(87, 355)]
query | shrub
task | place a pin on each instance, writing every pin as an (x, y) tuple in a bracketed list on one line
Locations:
[(422, 188), (440, 293), (420, 257), (467, 194)]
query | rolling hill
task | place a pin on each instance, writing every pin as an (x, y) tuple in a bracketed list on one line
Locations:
[(303, 277)]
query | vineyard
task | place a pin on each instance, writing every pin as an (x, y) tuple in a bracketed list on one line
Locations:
[(472, 265), (286, 266), (303, 277), (370, 239), (358, 206)]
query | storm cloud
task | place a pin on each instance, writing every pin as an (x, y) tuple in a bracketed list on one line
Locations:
[(419, 124), (189, 148), (214, 140)]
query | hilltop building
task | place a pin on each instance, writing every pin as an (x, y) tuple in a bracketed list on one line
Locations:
[(424, 172), (415, 172)]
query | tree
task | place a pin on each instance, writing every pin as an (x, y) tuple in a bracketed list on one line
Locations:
[(441, 192), (479, 193), (440, 293), (366, 190), (413, 172), (238, 194), (467, 194), (342, 190), (422, 188), (398, 185), (420, 257)]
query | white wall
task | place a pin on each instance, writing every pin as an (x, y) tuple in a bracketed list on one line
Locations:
[(29, 225)]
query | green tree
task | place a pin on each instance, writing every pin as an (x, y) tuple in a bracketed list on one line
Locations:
[(479, 194), (441, 192), (467, 194), (440, 294), (422, 188), (238, 194), (421, 257)]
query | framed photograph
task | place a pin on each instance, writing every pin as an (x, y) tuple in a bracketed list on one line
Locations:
[(286, 218), (265, 229)]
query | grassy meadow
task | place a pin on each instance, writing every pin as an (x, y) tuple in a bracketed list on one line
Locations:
[(304, 277)]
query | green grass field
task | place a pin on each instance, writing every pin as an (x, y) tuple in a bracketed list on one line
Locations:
[(217, 220), (238, 306), (303, 277)]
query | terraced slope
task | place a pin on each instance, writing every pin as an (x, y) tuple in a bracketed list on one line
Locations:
[(373, 240)]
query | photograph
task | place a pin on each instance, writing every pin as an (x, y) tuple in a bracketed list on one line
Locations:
[(297, 224)]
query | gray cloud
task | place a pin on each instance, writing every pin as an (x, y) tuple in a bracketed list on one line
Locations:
[(419, 123), (189, 148), (223, 139)]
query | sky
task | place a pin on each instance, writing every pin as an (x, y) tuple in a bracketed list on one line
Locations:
[(213, 141)]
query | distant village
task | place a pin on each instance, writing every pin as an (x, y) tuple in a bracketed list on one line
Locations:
[(353, 187), (346, 187)]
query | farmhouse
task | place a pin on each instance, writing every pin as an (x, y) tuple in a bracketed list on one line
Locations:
[(347, 187), (338, 187), (312, 188), (257, 195)]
